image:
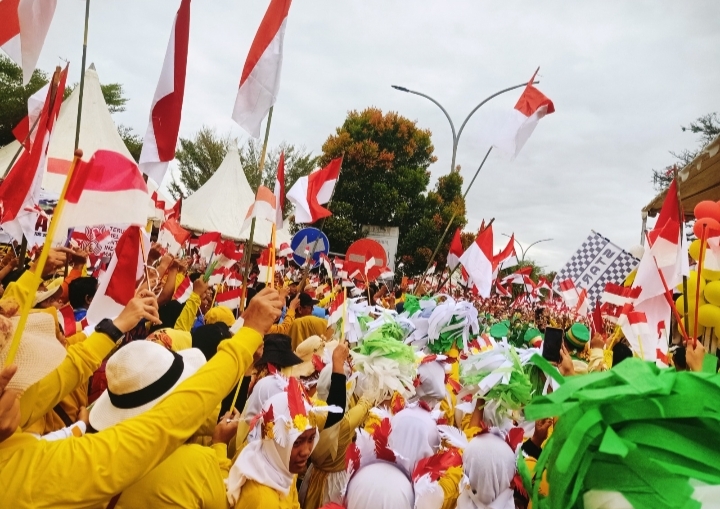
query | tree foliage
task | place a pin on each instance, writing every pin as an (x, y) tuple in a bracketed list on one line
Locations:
[(14, 96), (384, 181), (113, 93), (708, 128)]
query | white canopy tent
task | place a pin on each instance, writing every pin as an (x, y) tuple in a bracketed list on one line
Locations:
[(222, 203)]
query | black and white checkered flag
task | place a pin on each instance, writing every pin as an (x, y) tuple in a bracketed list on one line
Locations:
[(596, 263)]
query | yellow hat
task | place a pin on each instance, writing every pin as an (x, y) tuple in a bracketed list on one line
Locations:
[(220, 314)]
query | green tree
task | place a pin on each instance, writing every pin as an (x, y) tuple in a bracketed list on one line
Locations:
[(383, 181), (14, 96), (132, 141), (198, 158), (708, 128)]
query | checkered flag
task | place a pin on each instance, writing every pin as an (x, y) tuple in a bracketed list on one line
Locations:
[(596, 263)]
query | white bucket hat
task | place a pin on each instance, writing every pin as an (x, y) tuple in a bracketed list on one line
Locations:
[(139, 376), (39, 351)]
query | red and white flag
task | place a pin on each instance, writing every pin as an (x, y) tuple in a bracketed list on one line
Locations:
[(386, 273), (519, 277), (20, 191), (117, 285), (456, 250), (506, 258), (108, 189), (207, 244), (522, 120), (310, 193), (583, 304), (619, 295), (369, 263), (285, 250), (639, 333), (24, 26), (569, 293), (35, 107), (172, 236), (217, 276), (336, 309), (279, 192), (227, 254), (229, 298), (260, 80), (431, 270), (183, 291), (162, 133), (262, 208), (478, 262), (327, 264)]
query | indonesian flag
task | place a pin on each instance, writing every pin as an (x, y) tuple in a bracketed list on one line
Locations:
[(336, 309), (522, 120), (507, 258), (66, 317), (207, 243), (162, 133), (20, 191), (279, 192), (638, 332), (569, 293), (619, 295), (456, 250), (117, 285), (36, 102), (260, 80), (518, 277), (431, 270), (369, 263), (478, 262), (262, 208), (311, 192), (583, 305), (183, 291), (233, 279), (502, 291), (230, 298), (544, 284), (172, 236), (24, 26), (108, 189), (339, 263), (217, 276), (386, 273), (228, 254), (285, 250), (327, 264)]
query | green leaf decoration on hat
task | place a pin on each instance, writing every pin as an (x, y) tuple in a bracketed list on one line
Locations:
[(499, 330), (651, 434)]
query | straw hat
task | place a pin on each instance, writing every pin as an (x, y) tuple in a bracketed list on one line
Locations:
[(43, 295), (312, 346), (139, 376), (39, 352)]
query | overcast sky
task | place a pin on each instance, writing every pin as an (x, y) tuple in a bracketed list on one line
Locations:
[(624, 76)]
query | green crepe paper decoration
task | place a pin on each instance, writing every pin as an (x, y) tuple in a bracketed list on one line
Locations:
[(386, 341), (636, 429), (412, 305), (447, 339)]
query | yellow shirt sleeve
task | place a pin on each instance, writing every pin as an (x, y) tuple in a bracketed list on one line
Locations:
[(81, 362), (187, 317), (138, 444), (20, 289), (323, 303), (284, 327)]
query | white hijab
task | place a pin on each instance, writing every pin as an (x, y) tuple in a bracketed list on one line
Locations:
[(432, 382), (380, 486), (414, 436), (264, 389), (489, 466)]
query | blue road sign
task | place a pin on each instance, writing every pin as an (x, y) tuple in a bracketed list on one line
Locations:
[(303, 242)]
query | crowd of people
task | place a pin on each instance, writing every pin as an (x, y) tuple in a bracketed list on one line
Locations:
[(411, 399)]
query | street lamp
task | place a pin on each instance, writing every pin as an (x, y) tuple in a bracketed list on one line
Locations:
[(524, 251), (456, 139)]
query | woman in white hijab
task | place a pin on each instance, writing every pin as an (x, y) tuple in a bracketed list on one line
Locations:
[(489, 465), (380, 486), (264, 389), (414, 436)]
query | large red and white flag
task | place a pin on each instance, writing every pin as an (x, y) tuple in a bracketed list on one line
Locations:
[(279, 192), (506, 258), (22, 131), (310, 193), (20, 191), (336, 309), (229, 298), (478, 262), (260, 80), (172, 236), (108, 189), (24, 24), (162, 133), (262, 208), (569, 293), (522, 120), (456, 250), (207, 244), (117, 285)]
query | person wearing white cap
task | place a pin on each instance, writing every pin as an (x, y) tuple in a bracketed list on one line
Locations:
[(91, 470)]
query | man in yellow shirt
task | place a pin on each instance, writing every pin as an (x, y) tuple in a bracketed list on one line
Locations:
[(90, 471)]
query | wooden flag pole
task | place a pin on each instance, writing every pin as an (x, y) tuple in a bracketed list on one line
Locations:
[(40, 265), (686, 304), (249, 245), (82, 74)]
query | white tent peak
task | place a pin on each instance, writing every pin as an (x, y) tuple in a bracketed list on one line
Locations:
[(222, 203)]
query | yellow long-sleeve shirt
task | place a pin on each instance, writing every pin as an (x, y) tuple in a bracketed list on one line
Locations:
[(187, 316), (284, 327), (254, 494), (89, 471), (190, 477)]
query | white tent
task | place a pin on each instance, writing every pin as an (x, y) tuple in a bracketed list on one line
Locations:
[(222, 203)]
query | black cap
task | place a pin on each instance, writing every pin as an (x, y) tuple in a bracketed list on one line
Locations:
[(277, 350), (306, 300)]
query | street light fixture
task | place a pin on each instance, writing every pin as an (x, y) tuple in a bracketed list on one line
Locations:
[(525, 250)]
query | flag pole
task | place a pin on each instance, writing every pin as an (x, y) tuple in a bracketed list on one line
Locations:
[(82, 74), (447, 228), (344, 316), (686, 304), (249, 245), (40, 265)]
